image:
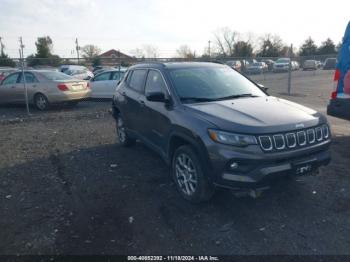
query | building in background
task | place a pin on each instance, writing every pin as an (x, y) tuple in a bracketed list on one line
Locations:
[(114, 57)]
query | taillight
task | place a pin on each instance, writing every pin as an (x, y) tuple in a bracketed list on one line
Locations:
[(336, 81), (337, 75), (62, 87), (88, 85)]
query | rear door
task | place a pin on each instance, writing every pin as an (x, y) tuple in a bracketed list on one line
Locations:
[(134, 108), (8, 89), (100, 86), (31, 84)]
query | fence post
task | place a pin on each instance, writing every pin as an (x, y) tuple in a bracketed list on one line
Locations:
[(290, 69), (23, 75)]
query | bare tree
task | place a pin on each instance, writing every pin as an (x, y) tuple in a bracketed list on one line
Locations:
[(225, 40), (90, 51), (185, 51), (138, 52), (271, 46), (151, 51)]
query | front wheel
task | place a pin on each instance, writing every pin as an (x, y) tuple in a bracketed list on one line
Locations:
[(123, 137), (188, 174), (41, 102)]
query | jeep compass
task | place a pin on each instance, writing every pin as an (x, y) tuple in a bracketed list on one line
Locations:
[(216, 128)]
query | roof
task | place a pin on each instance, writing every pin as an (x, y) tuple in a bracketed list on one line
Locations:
[(175, 65), (114, 52)]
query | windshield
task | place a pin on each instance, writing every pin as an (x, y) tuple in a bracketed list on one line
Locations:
[(212, 83), (52, 75), (283, 60)]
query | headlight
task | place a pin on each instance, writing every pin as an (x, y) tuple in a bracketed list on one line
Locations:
[(231, 138)]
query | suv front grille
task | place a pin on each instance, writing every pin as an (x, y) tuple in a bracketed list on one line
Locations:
[(290, 140)]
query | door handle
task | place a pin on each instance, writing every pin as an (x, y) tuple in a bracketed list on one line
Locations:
[(142, 103), (123, 94), (13, 87), (33, 85)]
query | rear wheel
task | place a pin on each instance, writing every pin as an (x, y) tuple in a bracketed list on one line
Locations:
[(41, 102), (123, 137), (190, 179)]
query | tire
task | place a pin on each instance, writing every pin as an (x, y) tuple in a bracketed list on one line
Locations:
[(189, 177), (123, 138), (41, 102)]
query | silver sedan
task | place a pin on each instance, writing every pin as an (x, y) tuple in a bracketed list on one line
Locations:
[(44, 88)]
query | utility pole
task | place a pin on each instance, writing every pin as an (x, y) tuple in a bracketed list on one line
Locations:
[(77, 48), (119, 62), (23, 75), (209, 47), (2, 46), (290, 69)]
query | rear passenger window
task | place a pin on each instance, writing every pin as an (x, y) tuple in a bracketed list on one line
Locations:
[(30, 78), (137, 80)]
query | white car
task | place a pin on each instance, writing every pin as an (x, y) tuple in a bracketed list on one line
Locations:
[(104, 84), (82, 74)]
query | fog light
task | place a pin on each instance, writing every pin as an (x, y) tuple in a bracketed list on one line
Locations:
[(234, 165)]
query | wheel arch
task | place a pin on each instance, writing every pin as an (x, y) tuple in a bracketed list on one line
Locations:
[(177, 139)]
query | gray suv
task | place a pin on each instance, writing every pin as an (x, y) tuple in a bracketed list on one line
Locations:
[(216, 128)]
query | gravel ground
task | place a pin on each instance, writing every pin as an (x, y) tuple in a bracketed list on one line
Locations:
[(68, 187)]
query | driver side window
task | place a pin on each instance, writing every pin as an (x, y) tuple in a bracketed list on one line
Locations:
[(102, 77), (11, 79), (155, 83)]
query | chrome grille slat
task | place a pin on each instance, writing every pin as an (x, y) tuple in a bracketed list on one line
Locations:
[(318, 131), (311, 136), (292, 136), (277, 145), (301, 135), (264, 147)]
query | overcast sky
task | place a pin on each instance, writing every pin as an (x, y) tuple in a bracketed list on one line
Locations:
[(167, 24)]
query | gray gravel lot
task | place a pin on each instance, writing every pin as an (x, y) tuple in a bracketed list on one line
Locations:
[(67, 187)]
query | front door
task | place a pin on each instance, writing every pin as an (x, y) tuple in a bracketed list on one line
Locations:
[(9, 89), (157, 122)]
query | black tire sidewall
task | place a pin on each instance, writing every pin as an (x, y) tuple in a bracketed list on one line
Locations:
[(35, 102), (205, 189)]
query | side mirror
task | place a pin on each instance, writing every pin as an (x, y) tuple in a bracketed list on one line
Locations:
[(262, 87), (156, 97)]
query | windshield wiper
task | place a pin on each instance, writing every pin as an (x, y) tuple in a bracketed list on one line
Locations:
[(197, 99), (235, 96)]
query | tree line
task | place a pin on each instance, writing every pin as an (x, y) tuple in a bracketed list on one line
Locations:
[(226, 43)]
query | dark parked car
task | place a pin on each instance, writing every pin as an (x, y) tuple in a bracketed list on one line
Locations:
[(330, 64), (217, 128)]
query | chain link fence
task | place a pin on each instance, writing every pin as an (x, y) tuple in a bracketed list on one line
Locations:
[(287, 76)]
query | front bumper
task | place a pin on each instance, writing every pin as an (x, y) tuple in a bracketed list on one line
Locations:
[(262, 169)]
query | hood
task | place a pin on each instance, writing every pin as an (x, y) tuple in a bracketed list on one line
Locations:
[(256, 115)]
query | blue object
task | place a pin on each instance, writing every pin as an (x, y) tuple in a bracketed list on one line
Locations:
[(344, 59)]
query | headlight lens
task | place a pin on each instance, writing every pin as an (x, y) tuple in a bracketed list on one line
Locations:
[(231, 138)]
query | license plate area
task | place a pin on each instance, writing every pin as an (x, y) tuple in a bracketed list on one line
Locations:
[(304, 167), (77, 87)]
